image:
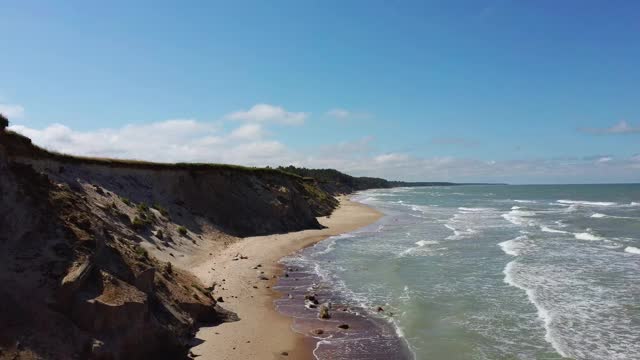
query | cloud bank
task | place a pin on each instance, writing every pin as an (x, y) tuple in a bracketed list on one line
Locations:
[(251, 143), (12, 111), (269, 113), (621, 127)]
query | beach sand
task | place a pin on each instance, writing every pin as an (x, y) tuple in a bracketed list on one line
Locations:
[(263, 333)]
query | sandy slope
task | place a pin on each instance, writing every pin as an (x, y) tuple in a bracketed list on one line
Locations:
[(262, 333)]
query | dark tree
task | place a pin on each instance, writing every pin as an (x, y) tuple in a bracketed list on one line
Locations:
[(4, 122)]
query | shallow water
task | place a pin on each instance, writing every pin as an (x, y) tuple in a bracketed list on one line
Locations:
[(483, 272)]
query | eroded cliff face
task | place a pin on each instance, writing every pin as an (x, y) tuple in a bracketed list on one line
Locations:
[(90, 251)]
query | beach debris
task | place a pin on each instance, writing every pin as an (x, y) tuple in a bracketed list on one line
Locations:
[(284, 353), (262, 277), (290, 296), (380, 309), (220, 299), (318, 331), (255, 268), (323, 313), (343, 326), (255, 287), (311, 298), (286, 274)]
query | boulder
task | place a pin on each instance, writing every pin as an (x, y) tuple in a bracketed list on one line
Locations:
[(144, 280), (323, 313), (72, 282)]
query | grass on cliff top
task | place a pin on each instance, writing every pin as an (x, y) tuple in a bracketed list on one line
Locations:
[(24, 147)]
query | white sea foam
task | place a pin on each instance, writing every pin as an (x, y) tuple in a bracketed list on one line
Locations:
[(632, 250), (520, 217), (586, 236), (426, 242), (473, 209), (587, 203), (516, 208), (550, 230), (598, 215), (513, 247), (633, 203), (525, 201), (459, 234), (543, 314), (419, 249)]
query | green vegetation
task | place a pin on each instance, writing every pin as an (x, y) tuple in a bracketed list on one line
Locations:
[(143, 217), (182, 230), (335, 182), (125, 201), (140, 251), (161, 209)]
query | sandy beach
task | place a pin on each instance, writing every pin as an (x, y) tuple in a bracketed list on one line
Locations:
[(263, 333)]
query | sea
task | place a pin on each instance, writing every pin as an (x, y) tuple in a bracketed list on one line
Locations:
[(478, 272)]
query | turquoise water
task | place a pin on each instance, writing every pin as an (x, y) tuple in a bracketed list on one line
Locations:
[(497, 272)]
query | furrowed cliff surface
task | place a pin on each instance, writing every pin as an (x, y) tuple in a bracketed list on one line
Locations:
[(91, 250)]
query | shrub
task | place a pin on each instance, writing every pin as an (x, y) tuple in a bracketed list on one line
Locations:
[(169, 268), (159, 234), (161, 209), (139, 223), (4, 122), (182, 230), (125, 201), (142, 208), (140, 251)]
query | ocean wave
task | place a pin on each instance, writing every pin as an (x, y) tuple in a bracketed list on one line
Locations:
[(457, 233), (587, 203), (474, 209), (600, 216), (513, 247), (525, 201), (632, 250), (426, 242), (550, 230), (543, 314), (519, 217), (586, 236), (419, 249)]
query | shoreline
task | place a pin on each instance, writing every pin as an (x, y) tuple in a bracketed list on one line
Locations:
[(262, 332)]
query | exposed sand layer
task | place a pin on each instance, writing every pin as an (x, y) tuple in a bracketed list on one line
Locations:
[(263, 333)]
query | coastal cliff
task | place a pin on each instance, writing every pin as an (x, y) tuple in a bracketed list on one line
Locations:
[(91, 249)]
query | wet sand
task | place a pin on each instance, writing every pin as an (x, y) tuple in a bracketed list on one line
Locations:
[(262, 332)]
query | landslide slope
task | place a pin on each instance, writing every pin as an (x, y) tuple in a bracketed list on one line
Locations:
[(91, 249)]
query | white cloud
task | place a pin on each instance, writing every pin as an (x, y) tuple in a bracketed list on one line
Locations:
[(269, 113), (621, 127), (188, 140), (391, 158), (165, 141), (344, 114), (248, 132), (12, 111), (339, 113)]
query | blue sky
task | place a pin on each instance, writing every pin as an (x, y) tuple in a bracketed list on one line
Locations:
[(514, 91)]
